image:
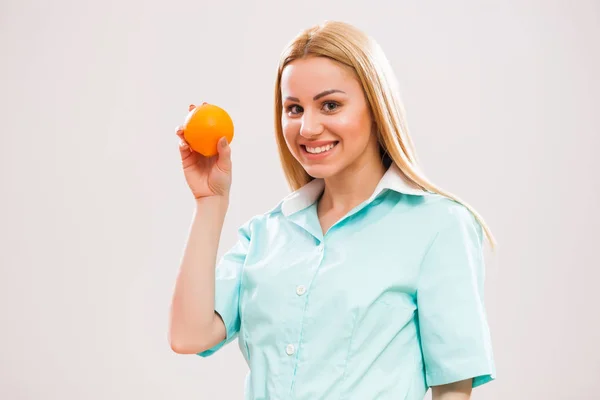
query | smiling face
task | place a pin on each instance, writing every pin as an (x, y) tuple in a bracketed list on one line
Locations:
[(326, 120)]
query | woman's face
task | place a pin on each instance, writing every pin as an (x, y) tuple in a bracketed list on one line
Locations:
[(326, 120)]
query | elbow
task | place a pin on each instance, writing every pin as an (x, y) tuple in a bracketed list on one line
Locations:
[(186, 340), (180, 346), (183, 348)]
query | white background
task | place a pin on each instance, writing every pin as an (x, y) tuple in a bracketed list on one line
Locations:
[(502, 101)]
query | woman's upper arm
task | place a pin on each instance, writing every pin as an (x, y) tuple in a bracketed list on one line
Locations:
[(460, 390), (228, 275), (454, 333)]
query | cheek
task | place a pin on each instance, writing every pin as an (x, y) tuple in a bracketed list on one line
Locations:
[(290, 131), (352, 130)]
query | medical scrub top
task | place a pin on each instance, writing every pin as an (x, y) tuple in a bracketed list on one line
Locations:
[(387, 303)]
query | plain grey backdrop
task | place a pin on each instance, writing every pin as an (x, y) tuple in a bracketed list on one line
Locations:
[(502, 98)]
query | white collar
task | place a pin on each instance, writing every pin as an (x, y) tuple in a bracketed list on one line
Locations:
[(393, 179)]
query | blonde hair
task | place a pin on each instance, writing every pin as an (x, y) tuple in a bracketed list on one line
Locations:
[(352, 48)]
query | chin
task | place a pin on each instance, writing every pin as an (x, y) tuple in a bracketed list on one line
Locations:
[(321, 171)]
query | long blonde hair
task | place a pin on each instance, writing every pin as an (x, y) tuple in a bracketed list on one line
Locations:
[(352, 48)]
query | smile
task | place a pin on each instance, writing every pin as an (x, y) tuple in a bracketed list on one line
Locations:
[(321, 149)]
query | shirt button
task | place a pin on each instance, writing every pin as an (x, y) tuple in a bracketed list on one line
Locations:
[(321, 246), (290, 349), (300, 290)]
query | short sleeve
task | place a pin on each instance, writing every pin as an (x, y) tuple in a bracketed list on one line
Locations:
[(228, 274), (453, 327)]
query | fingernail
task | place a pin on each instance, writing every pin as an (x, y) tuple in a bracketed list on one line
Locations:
[(191, 107), (223, 142)]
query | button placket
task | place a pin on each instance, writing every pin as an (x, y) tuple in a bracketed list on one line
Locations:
[(301, 290)]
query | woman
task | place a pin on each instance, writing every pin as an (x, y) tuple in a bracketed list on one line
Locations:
[(367, 281)]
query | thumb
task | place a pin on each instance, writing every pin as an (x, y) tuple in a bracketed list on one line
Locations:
[(224, 158)]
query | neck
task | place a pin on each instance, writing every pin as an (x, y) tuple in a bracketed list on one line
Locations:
[(350, 187)]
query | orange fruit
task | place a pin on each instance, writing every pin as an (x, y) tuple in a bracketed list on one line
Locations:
[(204, 126)]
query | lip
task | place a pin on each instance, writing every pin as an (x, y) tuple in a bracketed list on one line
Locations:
[(319, 156), (319, 143)]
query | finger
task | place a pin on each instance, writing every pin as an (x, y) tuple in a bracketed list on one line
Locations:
[(191, 107), (181, 135), (224, 159), (183, 146), (186, 154)]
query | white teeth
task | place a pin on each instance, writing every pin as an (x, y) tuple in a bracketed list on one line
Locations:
[(317, 150)]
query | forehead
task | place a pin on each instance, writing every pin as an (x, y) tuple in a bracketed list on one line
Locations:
[(315, 74)]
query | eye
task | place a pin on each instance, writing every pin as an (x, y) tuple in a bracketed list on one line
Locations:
[(292, 109), (330, 106)]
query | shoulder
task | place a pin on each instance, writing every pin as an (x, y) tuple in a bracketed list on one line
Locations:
[(261, 220), (442, 214), (448, 210)]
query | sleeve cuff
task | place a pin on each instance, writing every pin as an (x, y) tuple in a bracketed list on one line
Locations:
[(480, 375), (231, 334)]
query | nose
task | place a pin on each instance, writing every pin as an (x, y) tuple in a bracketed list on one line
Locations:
[(311, 126)]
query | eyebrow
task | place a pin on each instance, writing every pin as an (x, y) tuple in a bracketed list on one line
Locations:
[(317, 97)]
